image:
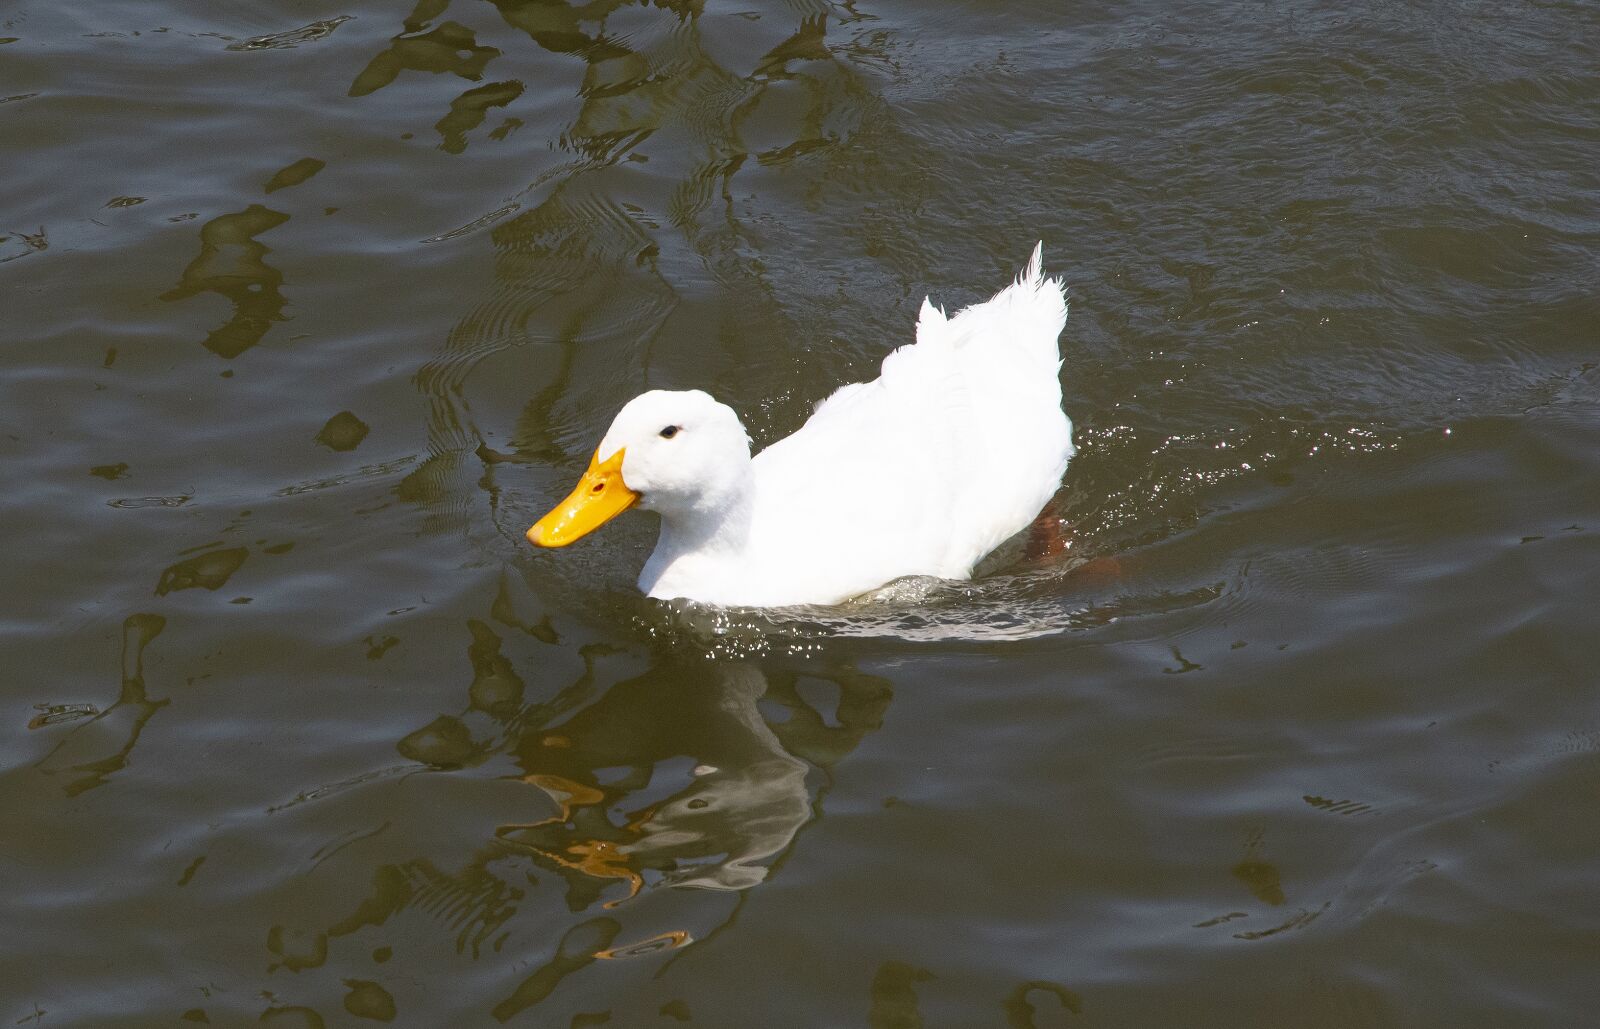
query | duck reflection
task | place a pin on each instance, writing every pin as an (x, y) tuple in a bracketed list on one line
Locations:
[(713, 791), (697, 774), (679, 775)]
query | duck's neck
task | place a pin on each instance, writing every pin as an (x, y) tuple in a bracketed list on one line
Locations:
[(703, 544)]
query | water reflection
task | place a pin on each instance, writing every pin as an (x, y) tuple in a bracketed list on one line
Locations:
[(695, 774), (736, 799), (578, 949), (468, 110), (675, 777), (451, 48), (368, 999), (1020, 1010), (1260, 876), (894, 1002), (92, 752), (894, 996), (210, 570), (294, 174), (25, 243), (291, 38), (233, 263)]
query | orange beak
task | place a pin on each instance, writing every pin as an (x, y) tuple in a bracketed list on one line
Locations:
[(600, 496)]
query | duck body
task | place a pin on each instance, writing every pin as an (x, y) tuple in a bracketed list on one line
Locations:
[(954, 448)]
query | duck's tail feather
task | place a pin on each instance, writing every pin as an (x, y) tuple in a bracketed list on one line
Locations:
[(1033, 280), (1034, 272), (1028, 315)]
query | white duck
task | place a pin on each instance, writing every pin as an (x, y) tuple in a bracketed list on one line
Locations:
[(955, 447)]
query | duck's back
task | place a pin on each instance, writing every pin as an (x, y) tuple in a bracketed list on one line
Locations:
[(923, 471)]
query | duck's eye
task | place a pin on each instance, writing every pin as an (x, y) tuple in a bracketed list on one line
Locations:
[(670, 431)]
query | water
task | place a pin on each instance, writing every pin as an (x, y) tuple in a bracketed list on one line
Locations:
[(309, 311)]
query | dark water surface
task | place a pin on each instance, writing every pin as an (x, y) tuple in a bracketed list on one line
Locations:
[(309, 310)]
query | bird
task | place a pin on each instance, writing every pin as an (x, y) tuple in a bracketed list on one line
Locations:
[(954, 448)]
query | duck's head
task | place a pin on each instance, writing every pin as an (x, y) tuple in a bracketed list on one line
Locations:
[(679, 453)]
